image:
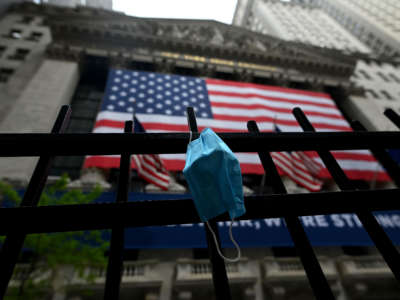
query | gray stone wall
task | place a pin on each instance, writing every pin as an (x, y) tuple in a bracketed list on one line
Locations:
[(23, 69), (381, 82), (36, 109)]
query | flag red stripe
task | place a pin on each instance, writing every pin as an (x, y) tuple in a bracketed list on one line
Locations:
[(249, 96), (149, 175), (266, 88), (178, 165), (275, 109), (183, 128), (161, 126), (280, 122), (345, 155), (297, 173), (151, 171)]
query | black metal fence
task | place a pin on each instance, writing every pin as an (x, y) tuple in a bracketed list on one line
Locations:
[(16, 223)]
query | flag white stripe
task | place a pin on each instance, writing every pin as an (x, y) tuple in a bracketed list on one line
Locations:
[(253, 113), (273, 94), (288, 171), (299, 166), (347, 164), (272, 104), (250, 158), (137, 161), (153, 169), (155, 180), (223, 124), (350, 164), (296, 167)]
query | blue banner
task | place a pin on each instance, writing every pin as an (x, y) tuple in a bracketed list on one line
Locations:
[(395, 154), (322, 230)]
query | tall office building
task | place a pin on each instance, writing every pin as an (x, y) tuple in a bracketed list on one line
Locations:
[(296, 22), (66, 3), (104, 4), (375, 22)]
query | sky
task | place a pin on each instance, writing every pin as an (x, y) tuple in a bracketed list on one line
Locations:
[(219, 10)]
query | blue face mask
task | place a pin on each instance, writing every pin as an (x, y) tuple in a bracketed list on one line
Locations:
[(215, 180)]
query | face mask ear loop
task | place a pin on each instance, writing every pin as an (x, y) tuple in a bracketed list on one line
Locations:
[(237, 258), (190, 137)]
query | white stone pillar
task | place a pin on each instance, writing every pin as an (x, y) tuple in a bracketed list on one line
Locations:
[(52, 86), (166, 271), (185, 295), (151, 296), (258, 285)]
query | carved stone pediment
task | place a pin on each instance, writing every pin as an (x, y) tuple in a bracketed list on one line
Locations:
[(112, 31)]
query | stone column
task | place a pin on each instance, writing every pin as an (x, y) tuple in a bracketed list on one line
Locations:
[(52, 86), (166, 271), (151, 296), (258, 285), (185, 295)]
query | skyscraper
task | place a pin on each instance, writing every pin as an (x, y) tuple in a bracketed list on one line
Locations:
[(67, 3), (105, 4), (297, 22), (376, 23)]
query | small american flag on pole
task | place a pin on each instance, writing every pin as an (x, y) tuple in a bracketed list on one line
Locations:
[(298, 167), (149, 166), (160, 100)]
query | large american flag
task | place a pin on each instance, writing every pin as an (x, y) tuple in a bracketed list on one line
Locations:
[(159, 102)]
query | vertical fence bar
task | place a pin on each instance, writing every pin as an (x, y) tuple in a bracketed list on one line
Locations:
[(382, 156), (393, 116), (13, 243), (115, 260), (375, 231), (219, 275), (315, 275)]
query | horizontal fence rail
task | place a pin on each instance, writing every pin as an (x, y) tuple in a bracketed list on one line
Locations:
[(36, 144), (169, 212)]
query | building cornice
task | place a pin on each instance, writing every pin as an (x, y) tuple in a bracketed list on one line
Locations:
[(112, 34)]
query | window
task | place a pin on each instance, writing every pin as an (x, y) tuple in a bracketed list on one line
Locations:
[(394, 77), (372, 94), (15, 34), (2, 49), (26, 20), (35, 36), (365, 74), (20, 54), (387, 95), (355, 75), (5, 73), (383, 76)]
